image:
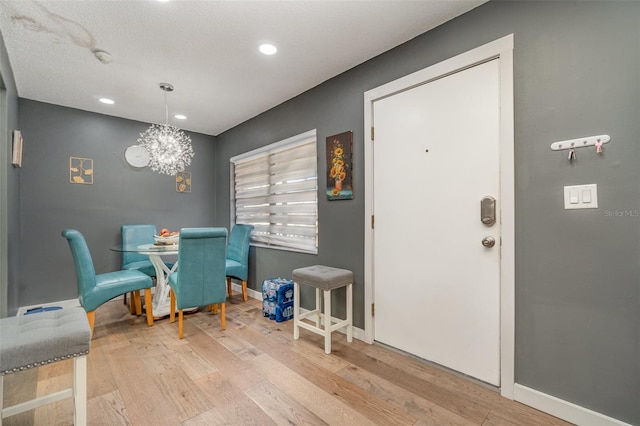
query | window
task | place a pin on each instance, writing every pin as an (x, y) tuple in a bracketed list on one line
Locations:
[(275, 189)]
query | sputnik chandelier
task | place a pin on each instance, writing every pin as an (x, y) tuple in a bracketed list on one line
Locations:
[(169, 148)]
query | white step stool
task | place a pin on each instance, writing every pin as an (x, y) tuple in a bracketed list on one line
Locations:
[(322, 278)]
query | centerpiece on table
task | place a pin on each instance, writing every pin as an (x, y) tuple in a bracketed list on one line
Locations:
[(167, 237)]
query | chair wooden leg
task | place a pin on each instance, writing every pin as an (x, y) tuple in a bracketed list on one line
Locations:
[(180, 321), (91, 317), (229, 293), (172, 306), (124, 298), (214, 309), (223, 318), (137, 302), (132, 307), (244, 291), (148, 304)]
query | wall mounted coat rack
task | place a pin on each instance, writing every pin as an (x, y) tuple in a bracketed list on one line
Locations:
[(581, 143)]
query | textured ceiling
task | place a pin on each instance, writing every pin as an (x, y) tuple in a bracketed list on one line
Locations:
[(206, 49)]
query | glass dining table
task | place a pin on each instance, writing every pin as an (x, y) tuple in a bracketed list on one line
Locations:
[(156, 252)]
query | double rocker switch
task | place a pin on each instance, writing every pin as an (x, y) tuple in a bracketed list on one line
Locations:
[(581, 197)]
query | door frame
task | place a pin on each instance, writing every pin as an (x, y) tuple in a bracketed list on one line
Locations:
[(501, 49)]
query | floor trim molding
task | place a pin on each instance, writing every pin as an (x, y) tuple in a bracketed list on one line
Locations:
[(562, 409)]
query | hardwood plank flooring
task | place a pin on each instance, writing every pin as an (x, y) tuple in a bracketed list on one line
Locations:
[(254, 373)]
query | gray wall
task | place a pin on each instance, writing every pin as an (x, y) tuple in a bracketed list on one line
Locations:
[(119, 194), (9, 187), (577, 73)]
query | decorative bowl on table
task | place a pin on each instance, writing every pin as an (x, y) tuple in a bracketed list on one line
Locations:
[(167, 239)]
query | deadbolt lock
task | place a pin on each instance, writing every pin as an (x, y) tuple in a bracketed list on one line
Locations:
[(488, 210)]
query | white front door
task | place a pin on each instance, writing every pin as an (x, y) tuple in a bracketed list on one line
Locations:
[(436, 155)]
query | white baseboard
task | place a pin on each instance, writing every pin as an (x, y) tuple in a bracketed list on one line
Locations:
[(358, 333), (63, 304), (562, 409)]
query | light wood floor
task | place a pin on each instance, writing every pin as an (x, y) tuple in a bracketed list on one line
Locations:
[(255, 373)]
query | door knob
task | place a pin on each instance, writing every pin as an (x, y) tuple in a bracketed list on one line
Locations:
[(488, 242)]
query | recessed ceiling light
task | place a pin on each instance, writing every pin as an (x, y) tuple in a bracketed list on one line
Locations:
[(107, 101), (268, 49), (180, 117)]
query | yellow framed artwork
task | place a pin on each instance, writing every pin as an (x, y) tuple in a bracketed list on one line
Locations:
[(81, 170), (339, 180), (183, 182)]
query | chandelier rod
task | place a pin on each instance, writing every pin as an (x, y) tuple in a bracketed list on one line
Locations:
[(166, 110), (166, 87)]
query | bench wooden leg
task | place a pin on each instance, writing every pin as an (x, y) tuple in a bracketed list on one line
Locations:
[(1, 397), (296, 310), (327, 321), (350, 313), (80, 390), (318, 307)]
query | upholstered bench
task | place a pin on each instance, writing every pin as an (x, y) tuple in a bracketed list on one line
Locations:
[(30, 341), (326, 279)]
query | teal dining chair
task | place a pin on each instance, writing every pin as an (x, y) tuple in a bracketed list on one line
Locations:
[(237, 260), (96, 289), (137, 235), (200, 278)]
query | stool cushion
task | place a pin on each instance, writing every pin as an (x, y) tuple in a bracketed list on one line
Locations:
[(323, 277), (32, 340)]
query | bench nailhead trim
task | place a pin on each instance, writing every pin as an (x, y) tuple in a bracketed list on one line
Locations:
[(37, 364)]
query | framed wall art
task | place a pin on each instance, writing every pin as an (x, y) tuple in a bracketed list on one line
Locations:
[(339, 166), (183, 182), (81, 170), (16, 159)]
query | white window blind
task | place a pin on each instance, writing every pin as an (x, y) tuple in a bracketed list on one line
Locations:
[(275, 189)]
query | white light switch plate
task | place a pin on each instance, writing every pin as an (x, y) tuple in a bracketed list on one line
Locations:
[(581, 197)]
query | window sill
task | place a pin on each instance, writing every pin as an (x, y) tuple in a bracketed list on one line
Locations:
[(295, 250)]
